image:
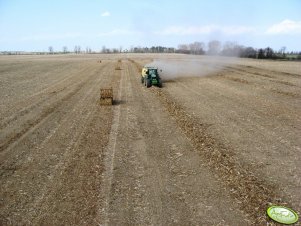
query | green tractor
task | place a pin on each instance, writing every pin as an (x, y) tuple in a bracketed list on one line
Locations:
[(150, 76)]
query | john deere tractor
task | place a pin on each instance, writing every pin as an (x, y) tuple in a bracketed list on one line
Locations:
[(150, 76)]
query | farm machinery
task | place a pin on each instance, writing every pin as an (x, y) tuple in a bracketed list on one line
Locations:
[(150, 76)]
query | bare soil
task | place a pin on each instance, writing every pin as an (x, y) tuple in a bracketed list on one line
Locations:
[(208, 150)]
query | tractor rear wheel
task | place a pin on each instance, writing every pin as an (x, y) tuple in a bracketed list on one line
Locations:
[(159, 83), (148, 83)]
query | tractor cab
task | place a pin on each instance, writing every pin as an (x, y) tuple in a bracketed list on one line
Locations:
[(152, 72)]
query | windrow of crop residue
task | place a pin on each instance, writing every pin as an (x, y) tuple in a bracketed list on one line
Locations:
[(253, 194)]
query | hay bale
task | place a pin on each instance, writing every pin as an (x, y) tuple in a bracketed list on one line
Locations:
[(106, 101), (106, 93), (106, 96)]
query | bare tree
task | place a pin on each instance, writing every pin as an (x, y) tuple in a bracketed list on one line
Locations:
[(232, 49), (248, 52), (153, 49), (77, 49), (269, 53), (183, 48), (50, 49), (65, 49), (214, 47), (88, 50), (228, 48), (191, 47), (104, 49), (171, 50), (282, 51), (197, 48), (260, 54)]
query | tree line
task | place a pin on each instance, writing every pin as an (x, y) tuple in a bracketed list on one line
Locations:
[(214, 47), (233, 49)]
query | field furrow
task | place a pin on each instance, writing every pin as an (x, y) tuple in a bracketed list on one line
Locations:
[(216, 145)]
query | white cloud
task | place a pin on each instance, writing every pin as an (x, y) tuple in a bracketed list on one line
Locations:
[(106, 13), (205, 30), (285, 27)]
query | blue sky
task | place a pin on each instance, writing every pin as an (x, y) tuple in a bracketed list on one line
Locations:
[(34, 25)]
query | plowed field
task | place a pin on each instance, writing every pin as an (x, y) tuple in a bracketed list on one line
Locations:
[(215, 149)]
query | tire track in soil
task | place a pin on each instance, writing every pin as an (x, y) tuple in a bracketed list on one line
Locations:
[(153, 201), (30, 125), (25, 106), (62, 164), (277, 112), (271, 76), (55, 71), (155, 178), (109, 158), (89, 206), (273, 110), (260, 72), (80, 113), (250, 192), (128, 193), (21, 103), (9, 162), (67, 165), (261, 89)]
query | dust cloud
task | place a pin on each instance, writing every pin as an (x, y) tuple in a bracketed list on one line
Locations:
[(190, 67)]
